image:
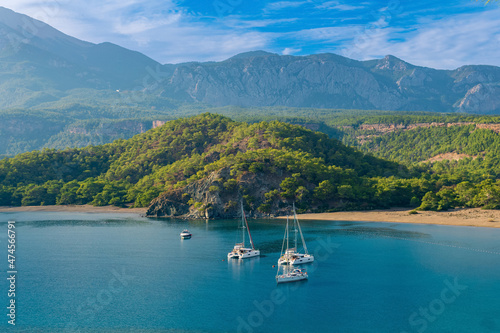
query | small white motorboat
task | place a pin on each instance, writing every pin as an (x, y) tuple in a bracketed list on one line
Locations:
[(185, 234)]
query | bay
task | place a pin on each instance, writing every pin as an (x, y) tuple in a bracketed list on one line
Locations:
[(86, 272)]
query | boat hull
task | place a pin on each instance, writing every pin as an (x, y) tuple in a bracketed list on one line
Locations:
[(296, 259), (243, 254), (302, 260), (250, 254), (291, 277)]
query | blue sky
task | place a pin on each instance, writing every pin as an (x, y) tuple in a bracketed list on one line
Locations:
[(440, 34)]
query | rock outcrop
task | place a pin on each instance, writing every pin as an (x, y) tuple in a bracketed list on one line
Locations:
[(214, 198), (481, 98)]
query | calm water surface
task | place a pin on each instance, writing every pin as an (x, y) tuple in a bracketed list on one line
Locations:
[(122, 273)]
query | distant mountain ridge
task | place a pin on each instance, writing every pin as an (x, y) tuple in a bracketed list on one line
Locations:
[(332, 81), (40, 65)]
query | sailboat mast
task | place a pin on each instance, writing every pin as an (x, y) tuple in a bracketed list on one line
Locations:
[(295, 230), (287, 245), (248, 229), (285, 237), (242, 224), (300, 230), (295, 227)]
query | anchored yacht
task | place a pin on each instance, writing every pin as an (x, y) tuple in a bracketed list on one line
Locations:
[(291, 255), (291, 275), (240, 251)]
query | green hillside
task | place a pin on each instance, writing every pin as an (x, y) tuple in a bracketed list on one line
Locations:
[(460, 146), (311, 167), (56, 82), (78, 122), (202, 165), (459, 154)]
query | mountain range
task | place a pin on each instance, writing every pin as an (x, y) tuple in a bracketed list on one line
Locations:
[(41, 67)]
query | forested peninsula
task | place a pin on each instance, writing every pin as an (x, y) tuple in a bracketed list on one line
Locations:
[(202, 166)]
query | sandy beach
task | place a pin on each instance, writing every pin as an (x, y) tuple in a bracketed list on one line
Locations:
[(474, 217), (74, 208)]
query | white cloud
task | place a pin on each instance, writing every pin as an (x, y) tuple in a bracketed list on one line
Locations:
[(94, 20), (144, 24), (289, 51), (166, 32), (280, 5), (336, 5), (447, 43), (328, 34), (243, 23), (178, 43), (157, 28)]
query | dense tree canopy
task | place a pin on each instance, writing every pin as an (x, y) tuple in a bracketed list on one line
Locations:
[(316, 171)]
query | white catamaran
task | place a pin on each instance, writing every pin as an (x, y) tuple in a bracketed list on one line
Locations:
[(291, 255), (240, 251)]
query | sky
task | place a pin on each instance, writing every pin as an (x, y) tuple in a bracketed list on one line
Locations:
[(440, 34)]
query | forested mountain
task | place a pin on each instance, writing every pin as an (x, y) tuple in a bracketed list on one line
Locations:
[(459, 153), (201, 166), (58, 91), (461, 150)]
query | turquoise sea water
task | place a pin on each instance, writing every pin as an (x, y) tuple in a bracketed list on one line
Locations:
[(81, 272)]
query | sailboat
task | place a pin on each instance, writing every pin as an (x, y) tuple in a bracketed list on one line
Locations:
[(291, 255), (289, 274), (240, 251)]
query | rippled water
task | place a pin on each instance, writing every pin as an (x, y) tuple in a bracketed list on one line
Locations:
[(122, 273)]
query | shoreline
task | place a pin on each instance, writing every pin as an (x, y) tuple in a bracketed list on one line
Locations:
[(74, 208), (466, 217)]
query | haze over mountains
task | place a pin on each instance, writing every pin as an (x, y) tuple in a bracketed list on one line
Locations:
[(40, 66)]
